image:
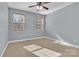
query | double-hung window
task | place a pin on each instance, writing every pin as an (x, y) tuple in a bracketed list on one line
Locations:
[(40, 23)]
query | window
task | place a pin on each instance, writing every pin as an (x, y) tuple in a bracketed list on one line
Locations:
[(18, 22), (40, 23)]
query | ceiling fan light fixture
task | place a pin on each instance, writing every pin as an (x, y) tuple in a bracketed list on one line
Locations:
[(39, 7)]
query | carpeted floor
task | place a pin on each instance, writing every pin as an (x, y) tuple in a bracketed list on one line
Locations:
[(16, 49)]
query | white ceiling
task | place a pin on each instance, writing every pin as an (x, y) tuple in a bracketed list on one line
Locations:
[(53, 6)]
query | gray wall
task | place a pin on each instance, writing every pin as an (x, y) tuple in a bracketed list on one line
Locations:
[(30, 26), (3, 26), (64, 23)]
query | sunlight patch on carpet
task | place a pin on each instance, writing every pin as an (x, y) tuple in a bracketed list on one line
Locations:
[(62, 43), (46, 53), (32, 47)]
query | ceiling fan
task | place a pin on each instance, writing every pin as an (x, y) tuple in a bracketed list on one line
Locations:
[(40, 5)]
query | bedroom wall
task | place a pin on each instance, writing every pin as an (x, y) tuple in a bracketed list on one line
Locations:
[(30, 26), (64, 24), (3, 26)]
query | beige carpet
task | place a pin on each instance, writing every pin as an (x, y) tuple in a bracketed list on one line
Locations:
[(32, 47), (16, 49), (62, 43), (44, 52), (40, 51)]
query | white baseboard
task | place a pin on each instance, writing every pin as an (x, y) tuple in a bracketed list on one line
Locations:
[(34, 39), (61, 39), (49, 38), (19, 41), (58, 37), (25, 39), (4, 50)]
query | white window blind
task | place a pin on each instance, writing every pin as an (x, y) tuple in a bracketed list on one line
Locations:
[(18, 22), (39, 23)]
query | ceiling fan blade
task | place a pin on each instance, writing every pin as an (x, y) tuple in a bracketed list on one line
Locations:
[(32, 6), (39, 3), (43, 3), (45, 8)]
